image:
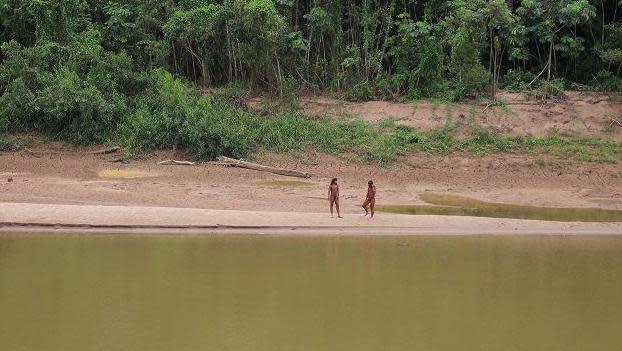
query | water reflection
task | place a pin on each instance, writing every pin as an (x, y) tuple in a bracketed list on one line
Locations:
[(310, 293), (453, 205)]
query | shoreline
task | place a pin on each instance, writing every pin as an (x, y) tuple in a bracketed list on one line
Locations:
[(101, 219), (21, 230), (68, 189)]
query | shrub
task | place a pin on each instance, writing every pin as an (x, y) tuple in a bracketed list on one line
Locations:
[(547, 89), (516, 80), (75, 110), (474, 80), (8, 144), (16, 106), (172, 113), (606, 81)]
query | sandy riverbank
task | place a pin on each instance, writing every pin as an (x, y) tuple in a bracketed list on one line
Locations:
[(55, 184), (135, 219)]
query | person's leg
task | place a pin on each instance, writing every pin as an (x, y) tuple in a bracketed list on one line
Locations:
[(365, 206), (332, 201), (372, 204), (337, 206)]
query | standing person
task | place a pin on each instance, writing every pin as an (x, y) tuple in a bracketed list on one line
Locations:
[(333, 197), (370, 199)]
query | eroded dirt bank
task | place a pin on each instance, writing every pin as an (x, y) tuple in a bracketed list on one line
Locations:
[(573, 114)]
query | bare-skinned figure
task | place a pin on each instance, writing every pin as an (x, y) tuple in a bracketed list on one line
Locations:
[(370, 199), (333, 197)]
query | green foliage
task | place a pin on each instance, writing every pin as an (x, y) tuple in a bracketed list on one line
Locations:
[(606, 81), (8, 144), (467, 42), (516, 80), (76, 92), (91, 71), (483, 140), (588, 149), (74, 110), (546, 89), (372, 49), (16, 106), (171, 113), (419, 58)]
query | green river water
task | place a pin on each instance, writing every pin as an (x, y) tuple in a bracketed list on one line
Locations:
[(238, 293)]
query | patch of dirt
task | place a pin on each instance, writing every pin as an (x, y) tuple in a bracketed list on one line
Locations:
[(123, 174)]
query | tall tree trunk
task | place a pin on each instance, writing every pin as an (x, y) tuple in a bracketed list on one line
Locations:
[(548, 76), (279, 76), (602, 34), (229, 52), (309, 53), (174, 56), (491, 68)]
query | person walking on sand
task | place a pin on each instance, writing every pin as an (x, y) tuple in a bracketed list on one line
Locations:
[(370, 199), (333, 197)]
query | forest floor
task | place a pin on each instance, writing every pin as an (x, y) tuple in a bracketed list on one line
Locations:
[(59, 175)]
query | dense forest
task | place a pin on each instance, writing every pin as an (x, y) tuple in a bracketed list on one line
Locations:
[(95, 70)]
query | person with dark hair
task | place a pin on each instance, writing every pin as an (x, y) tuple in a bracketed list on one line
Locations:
[(333, 197), (370, 199)]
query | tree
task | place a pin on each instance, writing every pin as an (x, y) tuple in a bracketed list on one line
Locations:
[(547, 19), (505, 30)]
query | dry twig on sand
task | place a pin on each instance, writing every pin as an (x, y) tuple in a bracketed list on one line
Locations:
[(231, 162), (175, 162), (106, 151)]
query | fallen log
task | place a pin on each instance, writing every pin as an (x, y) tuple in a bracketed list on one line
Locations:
[(219, 163), (106, 151), (231, 162), (175, 162)]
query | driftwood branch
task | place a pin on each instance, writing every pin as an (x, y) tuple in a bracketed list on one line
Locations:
[(218, 163), (175, 162), (231, 162), (106, 151)]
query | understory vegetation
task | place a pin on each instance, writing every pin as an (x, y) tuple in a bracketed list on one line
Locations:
[(132, 72), (8, 144), (171, 113)]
